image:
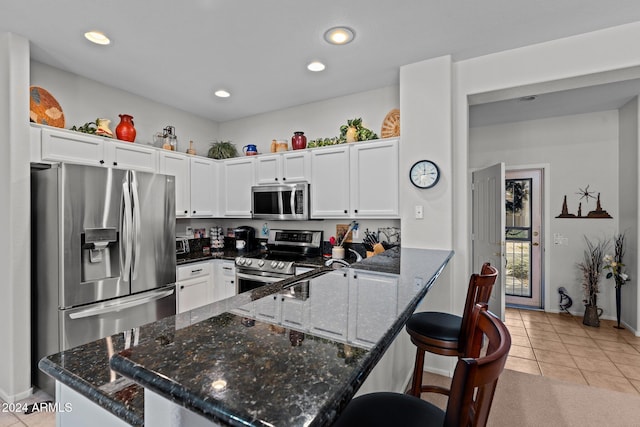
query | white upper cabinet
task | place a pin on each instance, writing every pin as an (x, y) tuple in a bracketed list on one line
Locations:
[(178, 165), (374, 179), (330, 182), (125, 155), (203, 187), (282, 168), (358, 180), (72, 147), (75, 147), (238, 175)]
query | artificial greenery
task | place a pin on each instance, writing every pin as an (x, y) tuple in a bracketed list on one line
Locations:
[(89, 127), (222, 150)]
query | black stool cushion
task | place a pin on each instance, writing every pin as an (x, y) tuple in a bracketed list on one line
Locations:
[(436, 325), (390, 410)]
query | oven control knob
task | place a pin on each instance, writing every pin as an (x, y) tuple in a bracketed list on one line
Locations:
[(248, 262), (260, 263), (274, 264), (240, 261), (281, 265)]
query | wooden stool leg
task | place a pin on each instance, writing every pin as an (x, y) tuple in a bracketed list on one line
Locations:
[(416, 384)]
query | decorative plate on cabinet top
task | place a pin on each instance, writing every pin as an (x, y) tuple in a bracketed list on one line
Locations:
[(44, 109), (391, 124)]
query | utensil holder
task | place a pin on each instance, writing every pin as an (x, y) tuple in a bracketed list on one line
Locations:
[(337, 252)]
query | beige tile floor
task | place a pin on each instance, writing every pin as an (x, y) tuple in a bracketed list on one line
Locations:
[(561, 347), (18, 418)]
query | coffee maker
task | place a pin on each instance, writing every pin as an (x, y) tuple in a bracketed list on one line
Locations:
[(247, 235)]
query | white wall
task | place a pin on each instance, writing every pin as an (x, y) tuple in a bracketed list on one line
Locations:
[(15, 255), (83, 100), (601, 51), (629, 179), (317, 120), (581, 150)]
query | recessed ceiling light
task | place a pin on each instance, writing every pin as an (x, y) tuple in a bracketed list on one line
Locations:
[(316, 66), (97, 37), (222, 93), (339, 35)]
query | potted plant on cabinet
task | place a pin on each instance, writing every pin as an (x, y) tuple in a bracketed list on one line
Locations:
[(591, 267)]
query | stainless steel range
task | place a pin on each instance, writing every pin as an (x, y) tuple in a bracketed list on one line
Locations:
[(285, 249)]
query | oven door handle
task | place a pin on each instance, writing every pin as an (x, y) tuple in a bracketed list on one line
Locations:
[(257, 278)]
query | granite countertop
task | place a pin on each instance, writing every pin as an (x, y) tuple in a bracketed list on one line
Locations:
[(273, 375)]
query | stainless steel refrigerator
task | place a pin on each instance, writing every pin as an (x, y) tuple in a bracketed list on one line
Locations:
[(103, 256)]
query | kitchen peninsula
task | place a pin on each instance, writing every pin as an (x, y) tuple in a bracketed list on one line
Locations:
[(224, 364)]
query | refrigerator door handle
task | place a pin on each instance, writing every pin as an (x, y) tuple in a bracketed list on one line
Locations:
[(136, 225), (126, 231), (121, 304)]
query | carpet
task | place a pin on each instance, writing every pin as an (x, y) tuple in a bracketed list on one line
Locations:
[(526, 400)]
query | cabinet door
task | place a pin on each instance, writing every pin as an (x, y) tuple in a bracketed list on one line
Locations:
[(131, 156), (203, 187), (296, 166), (178, 165), (374, 179), (194, 293), (72, 147), (225, 280), (293, 313), (371, 290), (238, 177), (330, 290), (269, 169), (268, 308), (330, 182)]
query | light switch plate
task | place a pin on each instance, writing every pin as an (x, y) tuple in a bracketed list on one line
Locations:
[(419, 212)]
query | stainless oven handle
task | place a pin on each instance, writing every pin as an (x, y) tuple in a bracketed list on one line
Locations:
[(256, 278), (120, 305)]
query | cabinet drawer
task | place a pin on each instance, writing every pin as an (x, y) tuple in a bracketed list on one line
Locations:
[(197, 269)]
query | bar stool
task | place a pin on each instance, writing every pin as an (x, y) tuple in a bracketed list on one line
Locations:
[(472, 387), (443, 333)]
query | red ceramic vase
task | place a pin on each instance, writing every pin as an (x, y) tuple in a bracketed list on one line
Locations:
[(298, 141), (125, 130)]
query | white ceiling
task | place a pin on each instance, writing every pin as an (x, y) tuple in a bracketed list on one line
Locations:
[(179, 52)]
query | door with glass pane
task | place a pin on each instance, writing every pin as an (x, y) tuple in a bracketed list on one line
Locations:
[(523, 233)]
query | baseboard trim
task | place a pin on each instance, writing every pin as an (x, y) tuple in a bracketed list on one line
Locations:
[(12, 398)]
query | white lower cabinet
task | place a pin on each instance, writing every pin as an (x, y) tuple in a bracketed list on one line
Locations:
[(371, 290), (194, 286), (224, 284), (329, 290)]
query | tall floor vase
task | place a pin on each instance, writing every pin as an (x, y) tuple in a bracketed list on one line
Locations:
[(618, 289)]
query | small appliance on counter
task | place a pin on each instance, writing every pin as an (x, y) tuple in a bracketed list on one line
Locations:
[(245, 237)]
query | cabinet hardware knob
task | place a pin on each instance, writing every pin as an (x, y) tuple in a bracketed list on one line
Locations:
[(232, 282), (102, 162), (182, 287), (275, 297), (282, 299), (115, 163), (284, 179), (345, 275), (355, 211), (276, 178), (186, 212), (194, 212), (345, 211)]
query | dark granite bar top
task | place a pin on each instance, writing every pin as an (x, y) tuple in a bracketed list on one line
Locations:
[(227, 363)]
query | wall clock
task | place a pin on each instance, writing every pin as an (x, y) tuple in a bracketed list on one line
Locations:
[(424, 174)]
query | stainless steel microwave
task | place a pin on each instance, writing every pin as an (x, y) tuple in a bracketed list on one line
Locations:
[(280, 202)]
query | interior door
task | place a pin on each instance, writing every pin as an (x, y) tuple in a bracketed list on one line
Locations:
[(488, 210)]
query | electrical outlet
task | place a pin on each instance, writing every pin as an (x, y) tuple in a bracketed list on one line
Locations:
[(419, 212)]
